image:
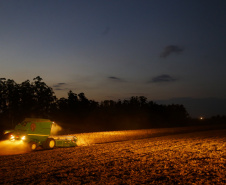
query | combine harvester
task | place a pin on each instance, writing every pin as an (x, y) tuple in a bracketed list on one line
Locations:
[(37, 132)]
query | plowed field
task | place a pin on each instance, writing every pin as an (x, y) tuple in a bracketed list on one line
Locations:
[(188, 158)]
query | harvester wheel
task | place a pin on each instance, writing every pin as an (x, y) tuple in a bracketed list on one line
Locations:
[(50, 143), (32, 145)]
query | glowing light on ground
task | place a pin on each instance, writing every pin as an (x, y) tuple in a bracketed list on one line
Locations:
[(8, 147)]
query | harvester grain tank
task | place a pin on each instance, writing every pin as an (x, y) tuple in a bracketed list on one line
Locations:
[(37, 132)]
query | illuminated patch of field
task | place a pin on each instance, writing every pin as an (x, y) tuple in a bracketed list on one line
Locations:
[(192, 158), (85, 139), (13, 147)]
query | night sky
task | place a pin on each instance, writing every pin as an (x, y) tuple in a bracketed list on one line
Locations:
[(170, 51)]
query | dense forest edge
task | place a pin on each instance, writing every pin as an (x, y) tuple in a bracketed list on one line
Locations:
[(77, 113)]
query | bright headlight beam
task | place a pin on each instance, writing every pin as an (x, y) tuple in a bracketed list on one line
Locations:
[(12, 137)]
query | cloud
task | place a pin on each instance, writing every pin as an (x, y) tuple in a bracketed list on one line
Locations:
[(162, 78), (59, 86), (115, 78), (171, 49)]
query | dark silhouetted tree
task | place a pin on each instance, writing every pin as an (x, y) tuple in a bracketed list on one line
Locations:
[(36, 99), (43, 96)]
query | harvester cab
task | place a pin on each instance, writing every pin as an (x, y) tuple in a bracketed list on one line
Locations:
[(37, 132)]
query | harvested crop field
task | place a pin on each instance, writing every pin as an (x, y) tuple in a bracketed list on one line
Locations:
[(188, 158)]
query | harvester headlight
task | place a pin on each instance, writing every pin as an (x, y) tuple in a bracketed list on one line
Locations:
[(23, 138), (12, 137)]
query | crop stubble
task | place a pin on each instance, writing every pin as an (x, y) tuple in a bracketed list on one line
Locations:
[(198, 158)]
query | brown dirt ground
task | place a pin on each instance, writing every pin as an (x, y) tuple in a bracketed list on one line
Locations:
[(188, 158)]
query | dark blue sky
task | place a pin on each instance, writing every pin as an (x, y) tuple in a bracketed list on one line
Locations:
[(116, 49)]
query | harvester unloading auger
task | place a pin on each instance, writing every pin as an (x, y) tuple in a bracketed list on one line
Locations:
[(37, 132)]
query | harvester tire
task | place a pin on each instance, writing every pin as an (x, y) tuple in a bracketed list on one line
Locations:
[(32, 146), (50, 143)]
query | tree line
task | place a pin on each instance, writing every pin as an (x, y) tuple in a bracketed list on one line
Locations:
[(78, 113)]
